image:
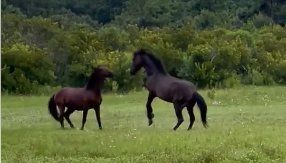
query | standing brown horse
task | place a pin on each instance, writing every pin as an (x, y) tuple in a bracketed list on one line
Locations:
[(80, 99), (168, 88)]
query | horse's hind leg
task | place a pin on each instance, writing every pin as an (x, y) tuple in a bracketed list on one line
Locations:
[(178, 110), (67, 116), (61, 116), (191, 114)]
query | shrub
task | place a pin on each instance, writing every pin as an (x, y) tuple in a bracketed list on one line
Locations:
[(280, 72), (25, 67)]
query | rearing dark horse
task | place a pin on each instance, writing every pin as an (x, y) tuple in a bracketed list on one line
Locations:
[(168, 88)]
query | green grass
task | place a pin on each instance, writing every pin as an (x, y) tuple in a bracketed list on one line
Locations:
[(247, 124)]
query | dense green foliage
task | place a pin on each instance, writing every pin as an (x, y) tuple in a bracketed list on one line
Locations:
[(213, 43), (246, 124)]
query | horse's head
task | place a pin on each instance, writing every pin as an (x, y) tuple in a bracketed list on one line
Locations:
[(137, 61), (96, 79), (102, 72)]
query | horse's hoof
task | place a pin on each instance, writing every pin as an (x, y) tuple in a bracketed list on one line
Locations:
[(100, 128), (206, 125), (175, 128), (190, 127), (150, 122), (81, 128)]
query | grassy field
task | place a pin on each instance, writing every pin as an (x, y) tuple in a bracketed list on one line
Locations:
[(246, 124)]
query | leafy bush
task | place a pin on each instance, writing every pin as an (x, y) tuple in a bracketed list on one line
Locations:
[(62, 49), (261, 20), (281, 72), (25, 67)]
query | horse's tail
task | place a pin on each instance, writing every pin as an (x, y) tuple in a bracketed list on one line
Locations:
[(203, 108), (53, 108)]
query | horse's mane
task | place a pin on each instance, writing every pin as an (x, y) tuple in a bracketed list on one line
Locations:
[(95, 79), (157, 62)]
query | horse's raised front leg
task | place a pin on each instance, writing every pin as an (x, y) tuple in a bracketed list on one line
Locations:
[(85, 111), (178, 110), (97, 113), (67, 116), (149, 108)]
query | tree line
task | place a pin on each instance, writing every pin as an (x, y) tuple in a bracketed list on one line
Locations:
[(212, 43)]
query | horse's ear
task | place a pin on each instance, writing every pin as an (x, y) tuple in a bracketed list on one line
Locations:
[(141, 51), (95, 68)]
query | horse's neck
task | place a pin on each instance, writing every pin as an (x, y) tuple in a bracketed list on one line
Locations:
[(151, 69), (96, 87), (95, 91)]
